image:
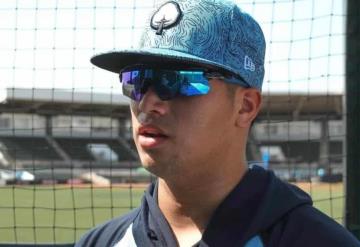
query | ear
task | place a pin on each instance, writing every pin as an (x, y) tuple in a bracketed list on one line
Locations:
[(248, 103)]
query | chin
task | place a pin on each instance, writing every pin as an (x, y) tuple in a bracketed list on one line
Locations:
[(155, 167), (148, 162)]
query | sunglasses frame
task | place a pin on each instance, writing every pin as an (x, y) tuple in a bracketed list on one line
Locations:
[(181, 90)]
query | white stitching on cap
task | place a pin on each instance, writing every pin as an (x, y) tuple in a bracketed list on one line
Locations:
[(249, 64)]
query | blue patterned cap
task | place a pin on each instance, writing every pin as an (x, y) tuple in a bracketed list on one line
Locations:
[(212, 34)]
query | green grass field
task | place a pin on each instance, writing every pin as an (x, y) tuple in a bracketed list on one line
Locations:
[(38, 214)]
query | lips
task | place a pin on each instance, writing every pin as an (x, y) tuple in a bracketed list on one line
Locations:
[(150, 136)]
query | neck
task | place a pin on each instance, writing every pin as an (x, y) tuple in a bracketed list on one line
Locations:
[(189, 201)]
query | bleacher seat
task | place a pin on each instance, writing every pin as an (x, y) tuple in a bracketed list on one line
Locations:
[(77, 148), (29, 148)]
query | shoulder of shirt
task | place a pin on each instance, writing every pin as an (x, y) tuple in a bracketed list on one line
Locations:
[(307, 226), (108, 233)]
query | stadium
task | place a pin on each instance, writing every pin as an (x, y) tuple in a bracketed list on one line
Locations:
[(67, 158), (60, 139)]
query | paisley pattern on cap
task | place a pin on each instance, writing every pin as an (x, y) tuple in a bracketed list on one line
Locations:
[(206, 33)]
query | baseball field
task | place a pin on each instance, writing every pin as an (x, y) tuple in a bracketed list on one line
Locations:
[(61, 214)]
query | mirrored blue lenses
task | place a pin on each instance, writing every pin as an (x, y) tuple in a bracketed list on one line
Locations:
[(167, 84)]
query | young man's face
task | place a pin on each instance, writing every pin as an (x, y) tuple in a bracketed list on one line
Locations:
[(185, 134)]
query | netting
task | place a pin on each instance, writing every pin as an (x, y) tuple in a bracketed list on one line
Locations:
[(67, 160)]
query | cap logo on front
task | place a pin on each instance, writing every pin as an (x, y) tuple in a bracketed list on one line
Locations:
[(167, 16)]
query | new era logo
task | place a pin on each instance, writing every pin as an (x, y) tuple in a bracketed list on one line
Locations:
[(249, 64)]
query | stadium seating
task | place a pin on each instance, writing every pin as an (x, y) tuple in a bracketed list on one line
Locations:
[(29, 148), (77, 148)]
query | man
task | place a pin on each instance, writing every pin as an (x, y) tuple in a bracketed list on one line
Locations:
[(195, 85)]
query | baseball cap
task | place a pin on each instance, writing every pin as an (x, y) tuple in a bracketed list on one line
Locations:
[(212, 34)]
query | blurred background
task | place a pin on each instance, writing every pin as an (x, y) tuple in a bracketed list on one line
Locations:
[(67, 158)]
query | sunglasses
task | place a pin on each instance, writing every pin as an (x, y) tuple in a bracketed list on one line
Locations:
[(167, 83)]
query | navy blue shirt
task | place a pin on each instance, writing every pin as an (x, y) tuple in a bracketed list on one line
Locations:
[(260, 211)]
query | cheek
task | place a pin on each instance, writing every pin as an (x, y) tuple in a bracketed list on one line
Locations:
[(198, 131), (134, 123), (207, 124)]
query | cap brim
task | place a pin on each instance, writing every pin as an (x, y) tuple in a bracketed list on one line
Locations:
[(115, 61)]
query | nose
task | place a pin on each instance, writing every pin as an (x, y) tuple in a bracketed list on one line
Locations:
[(152, 104)]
